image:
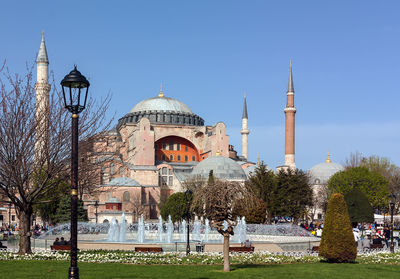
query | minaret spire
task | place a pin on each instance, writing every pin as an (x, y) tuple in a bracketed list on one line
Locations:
[(42, 88), (290, 85), (42, 54), (245, 131), (290, 111)]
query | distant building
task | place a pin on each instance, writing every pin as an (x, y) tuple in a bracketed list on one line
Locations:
[(319, 177)]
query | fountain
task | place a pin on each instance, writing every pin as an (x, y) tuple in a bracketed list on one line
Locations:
[(140, 233), (170, 230), (206, 230), (160, 229), (287, 236), (122, 229), (184, 231), (196, 230)]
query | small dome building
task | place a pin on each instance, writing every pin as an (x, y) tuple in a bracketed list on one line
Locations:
[(319, 176)]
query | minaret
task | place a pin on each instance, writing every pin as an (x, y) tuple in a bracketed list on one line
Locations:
[(245, 131), (42, 88), (290, 112)]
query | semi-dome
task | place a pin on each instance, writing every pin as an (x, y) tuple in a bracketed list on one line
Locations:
[(222, 167), (321, 173), (162, 110)]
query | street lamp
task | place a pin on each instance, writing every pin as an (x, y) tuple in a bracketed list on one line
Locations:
[(75, 88), (96, 205), (188, 198), (392, 204)]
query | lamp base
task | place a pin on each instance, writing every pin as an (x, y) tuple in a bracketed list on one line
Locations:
[(73, 273)]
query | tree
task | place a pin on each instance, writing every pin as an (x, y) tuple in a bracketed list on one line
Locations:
[(35, 151), (337, 241), (217, 202), (372, 184), (264, 185), (63, 213), (253, 209), (294, 194), (176, 206), (360, 210), (381, 165)]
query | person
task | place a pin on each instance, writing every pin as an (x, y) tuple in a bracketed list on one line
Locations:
[(56, 241), (319, 232), (62, 241), (386, 233), (376, 240), (356, 236), (247, 243)]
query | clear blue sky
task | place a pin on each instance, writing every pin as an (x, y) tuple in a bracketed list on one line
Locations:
[(208, 53)]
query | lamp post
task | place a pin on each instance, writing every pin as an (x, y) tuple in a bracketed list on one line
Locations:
[(188, 197), (9, 215), (392, 204), (96, 205), (75, 88)]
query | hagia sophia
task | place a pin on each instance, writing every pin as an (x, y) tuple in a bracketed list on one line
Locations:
[(160, 143)]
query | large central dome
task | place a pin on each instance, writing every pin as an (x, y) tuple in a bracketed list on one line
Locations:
[(162, 110), (161, 104)]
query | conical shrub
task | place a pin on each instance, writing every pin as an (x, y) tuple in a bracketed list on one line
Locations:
[(337, 242)]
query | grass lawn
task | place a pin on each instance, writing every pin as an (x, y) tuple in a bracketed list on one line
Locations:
[(54, 270)]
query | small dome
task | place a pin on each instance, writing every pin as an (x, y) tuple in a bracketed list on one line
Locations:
[(161, 104), (222, 167), (321, 173)]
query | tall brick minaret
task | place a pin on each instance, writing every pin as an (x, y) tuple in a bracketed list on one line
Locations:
[(290, 111), (42, 88), (245, 131)]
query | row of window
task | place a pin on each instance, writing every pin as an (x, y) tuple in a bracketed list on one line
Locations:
[(178, 158), (171, 146)]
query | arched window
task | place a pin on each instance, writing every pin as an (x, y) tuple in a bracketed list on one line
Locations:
[(112, 168), (171, 157), (317, 181), (179, 158), (126, 197), (186, 158)]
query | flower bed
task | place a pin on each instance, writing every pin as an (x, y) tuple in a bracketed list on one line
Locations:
[(101, 256)]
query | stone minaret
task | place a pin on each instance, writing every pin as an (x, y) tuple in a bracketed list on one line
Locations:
[(290, 112), (42, 88), (245, 131)]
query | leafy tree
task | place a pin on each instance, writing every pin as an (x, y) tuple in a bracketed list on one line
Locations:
[(380, 165), (253, 209), (264, 185), (294, 194), (337, 241), (372, 184), (217, 202), (176, 206), (50, 202), (63, 213), (360, 210)]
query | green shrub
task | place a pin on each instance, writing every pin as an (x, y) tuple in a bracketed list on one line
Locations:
[(337, 242)]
